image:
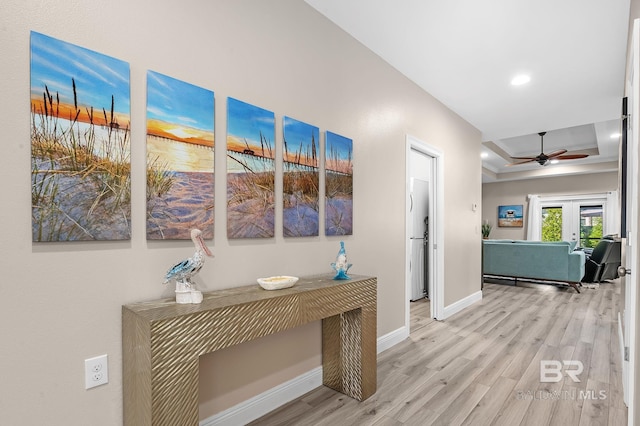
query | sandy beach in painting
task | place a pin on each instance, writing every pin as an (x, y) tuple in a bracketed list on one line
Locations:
[(250, 205), (189, 201), (188, 204), (300, 200)]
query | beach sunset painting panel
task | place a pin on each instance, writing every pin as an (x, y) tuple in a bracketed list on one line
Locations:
[(338, 184), (250, 171), (180, 161), (80, 143), (301, 145)]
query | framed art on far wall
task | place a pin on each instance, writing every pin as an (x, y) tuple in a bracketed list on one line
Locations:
[(510, 216)]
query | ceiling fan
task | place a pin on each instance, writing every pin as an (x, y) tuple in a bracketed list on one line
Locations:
[(544, 159)]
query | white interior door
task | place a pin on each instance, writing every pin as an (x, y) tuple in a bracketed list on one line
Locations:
[(629, 281)]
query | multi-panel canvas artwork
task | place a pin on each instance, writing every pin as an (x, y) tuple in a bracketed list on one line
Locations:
[(338, 184), (80, 143), (81, 149), (180, 158), (300, 180), (250, 171)]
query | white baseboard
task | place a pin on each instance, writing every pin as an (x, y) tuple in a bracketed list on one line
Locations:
[(256, 407), (391, 339), (461, 304)]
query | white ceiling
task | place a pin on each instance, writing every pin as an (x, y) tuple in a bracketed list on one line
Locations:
[(465, 53)]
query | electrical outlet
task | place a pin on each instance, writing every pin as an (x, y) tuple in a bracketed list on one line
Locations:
[(96, 371)]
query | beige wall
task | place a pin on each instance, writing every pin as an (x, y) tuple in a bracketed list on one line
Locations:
[(515, 192), (61, 303)]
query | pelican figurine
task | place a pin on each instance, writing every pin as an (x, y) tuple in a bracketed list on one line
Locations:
[(183, 271), (341, 266)]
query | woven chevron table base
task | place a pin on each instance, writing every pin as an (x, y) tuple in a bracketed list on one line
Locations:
[(162, 341)]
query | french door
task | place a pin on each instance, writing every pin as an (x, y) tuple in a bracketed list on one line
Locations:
[(580, 220)]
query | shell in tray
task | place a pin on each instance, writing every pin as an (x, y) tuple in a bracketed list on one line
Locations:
[(277, 283)]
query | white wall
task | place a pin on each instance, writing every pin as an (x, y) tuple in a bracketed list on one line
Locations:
[(61, 302)]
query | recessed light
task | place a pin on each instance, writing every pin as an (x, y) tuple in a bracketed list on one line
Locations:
[(520, 80), (615, 135), (554, 161), (484, 155)]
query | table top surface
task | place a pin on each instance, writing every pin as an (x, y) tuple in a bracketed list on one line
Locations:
[(216, 299)]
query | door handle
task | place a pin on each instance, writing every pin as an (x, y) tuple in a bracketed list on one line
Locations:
[(622, 271)]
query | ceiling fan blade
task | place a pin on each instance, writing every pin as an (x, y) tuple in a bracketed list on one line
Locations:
[(557, 153), (524, 158), (517, 163), (572, 156)]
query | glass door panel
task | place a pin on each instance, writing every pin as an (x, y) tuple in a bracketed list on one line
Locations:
[(590, 225), (552, 223)]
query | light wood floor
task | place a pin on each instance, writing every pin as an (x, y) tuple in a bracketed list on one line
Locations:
[(482, 366)]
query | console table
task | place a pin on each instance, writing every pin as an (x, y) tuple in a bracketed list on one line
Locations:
[(162, 341)]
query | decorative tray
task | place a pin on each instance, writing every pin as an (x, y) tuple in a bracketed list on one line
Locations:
[(277, 283)]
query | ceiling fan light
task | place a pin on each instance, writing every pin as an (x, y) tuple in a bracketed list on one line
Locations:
[(521, 79), (554, 161)]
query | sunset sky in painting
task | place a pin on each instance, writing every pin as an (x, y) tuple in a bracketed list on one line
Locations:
[(342, 145), (97, 76), (187, 111), (296, 132), (246, 121)]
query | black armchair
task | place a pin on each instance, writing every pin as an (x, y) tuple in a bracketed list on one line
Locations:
[(603, 262), (612, 262)]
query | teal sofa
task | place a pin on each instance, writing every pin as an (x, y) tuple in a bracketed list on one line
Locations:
[(549, 261)]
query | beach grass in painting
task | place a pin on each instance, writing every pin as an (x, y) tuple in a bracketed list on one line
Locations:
[(338, 185), (300, 178), (180, 158), (250, 171), (80, 143)]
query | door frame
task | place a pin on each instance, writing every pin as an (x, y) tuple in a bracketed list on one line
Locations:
[(436, 232), (630, 282)]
